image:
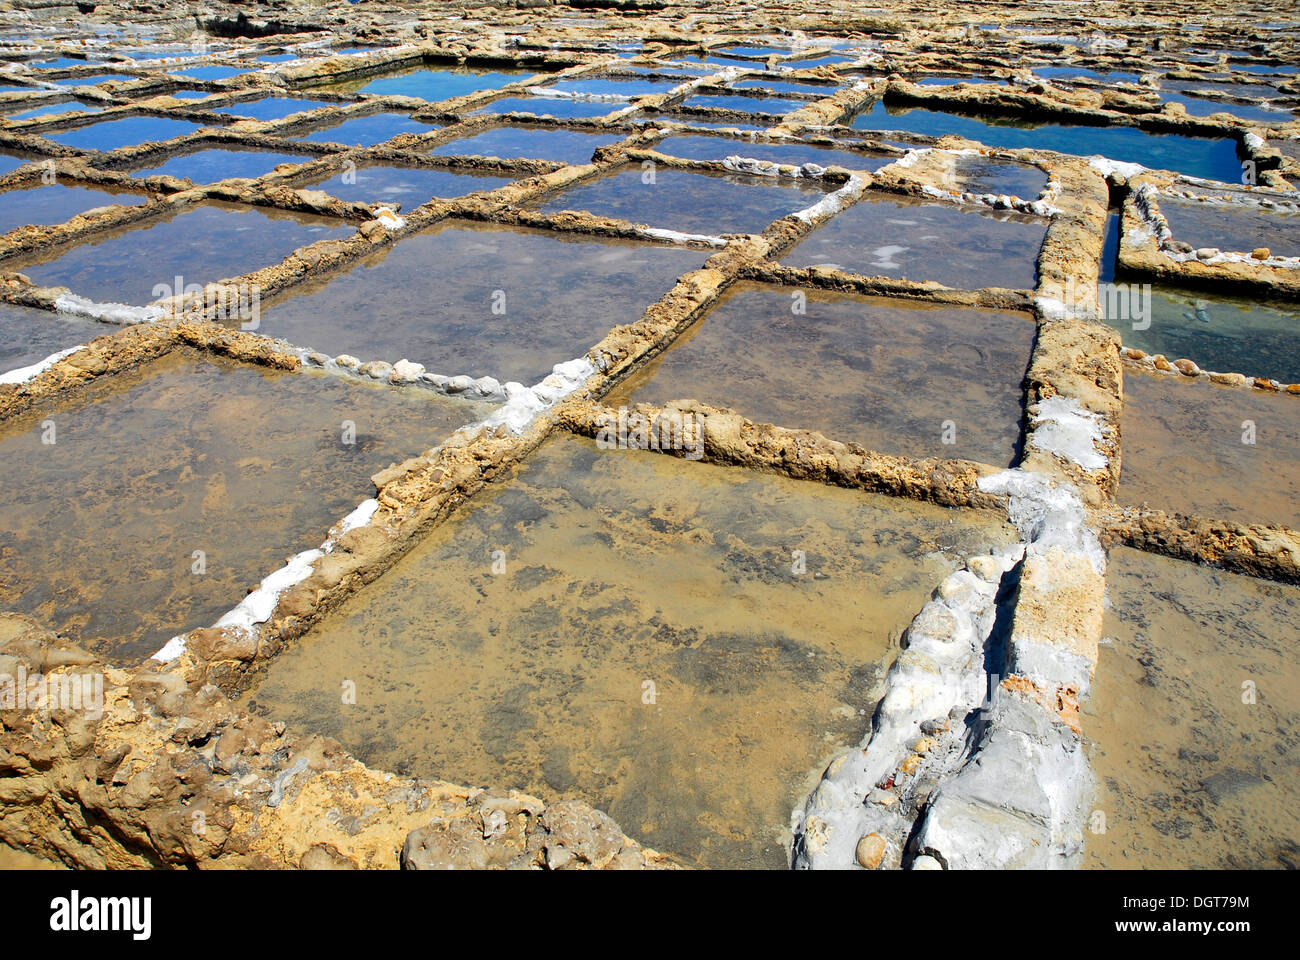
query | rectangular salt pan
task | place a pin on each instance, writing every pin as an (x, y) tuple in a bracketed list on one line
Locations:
[(523, 300), (898, 377), (186, 454), (200, 244), (623, 568)]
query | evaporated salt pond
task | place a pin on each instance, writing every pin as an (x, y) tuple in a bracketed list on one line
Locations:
[(1190, 776), (685, 201), (272, 108), (829, 60), (695, 147), (365, 131), (889, 374), (1265, 67), (675, 71), (948, 81), (203, 243), (785, 86), (431, 83), (696, 61), (894, 236), (51, 109), (613, 86), (1214, 159), (750, 50), (28, 335), (631, 577), (181, 454), (1221, 333), (1235, 227), (980, 175), (1200, 107), (213, 72), (126, 132), (60, 63), (523, 301), (93, 80), (534, 143), (409, 186), (207, 164), (744, 103), (1083, 73), (57, 203), (1290, 148), (1184, 450), (560, 107), (9, 162), (1262, 90), (690, 121)]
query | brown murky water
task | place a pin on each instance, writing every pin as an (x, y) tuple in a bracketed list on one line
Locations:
[(646, 647), (1191, 776), (249, 466), (1184, 449), (889, 374)]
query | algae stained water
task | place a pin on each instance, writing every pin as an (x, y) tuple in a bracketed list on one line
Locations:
[(630, 629)]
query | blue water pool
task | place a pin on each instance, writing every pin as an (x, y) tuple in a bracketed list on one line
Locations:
[(1214, 159)]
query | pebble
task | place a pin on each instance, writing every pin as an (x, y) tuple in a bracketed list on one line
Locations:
[(871, 850), (317, 359), (1260, 253), (1207, 253), (487, 386), (1187, 367), (924, 862), (1229, 379), (375, 369), (459, 384), (985, 567), (347, 360), (404, 371), (885, 798)]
